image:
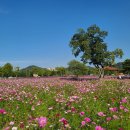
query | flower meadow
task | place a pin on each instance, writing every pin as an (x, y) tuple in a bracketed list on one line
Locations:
[(61, 104)]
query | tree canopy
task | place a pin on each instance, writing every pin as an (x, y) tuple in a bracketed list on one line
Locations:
[(92, 48), (126, 66), (77, 68), (61, 71), (7, 70)]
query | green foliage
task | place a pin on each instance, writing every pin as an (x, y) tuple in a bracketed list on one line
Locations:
[(77, 68), (16, 71), (126, 66), (61, 71), (90, 44), (1, 72), (92, 71), (7, 70), (119, 65)]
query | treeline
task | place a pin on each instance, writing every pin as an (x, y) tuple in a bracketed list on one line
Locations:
[(74, 68)]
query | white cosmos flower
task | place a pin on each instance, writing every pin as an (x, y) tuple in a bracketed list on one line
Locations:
[(14, 128)]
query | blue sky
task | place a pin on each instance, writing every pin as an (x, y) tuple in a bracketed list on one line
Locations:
[(38, 31)]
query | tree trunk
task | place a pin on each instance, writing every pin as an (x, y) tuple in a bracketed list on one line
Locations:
[(101, 73)]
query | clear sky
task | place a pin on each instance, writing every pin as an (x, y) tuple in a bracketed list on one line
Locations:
[(38, 31)]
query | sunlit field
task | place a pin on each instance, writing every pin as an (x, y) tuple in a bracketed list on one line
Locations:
[(61, 104)]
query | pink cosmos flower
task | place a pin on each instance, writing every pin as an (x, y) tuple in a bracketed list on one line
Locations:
[(129, 90), (21, 125), (42, 121), (114, 109), (64, 121), (108, 118), (83, 123), (126, 110), (73, 109), (75, 97), (82, 113), (122, 107), (2, 111), (124, 100), (7, 128), (1, 99), (94, 123), (101, 114), (120, 129), (11, 123), (98, 128), (87, 120), (115, 117)]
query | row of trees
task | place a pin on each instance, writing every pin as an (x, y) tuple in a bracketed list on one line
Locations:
[(9, 71), (74, 68)]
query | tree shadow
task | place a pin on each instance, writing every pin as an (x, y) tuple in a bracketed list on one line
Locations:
[(79, 78)]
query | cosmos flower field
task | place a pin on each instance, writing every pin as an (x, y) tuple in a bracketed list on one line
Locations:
[(60, 104)]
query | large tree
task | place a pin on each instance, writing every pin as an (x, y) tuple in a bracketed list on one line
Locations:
[(92, 48)]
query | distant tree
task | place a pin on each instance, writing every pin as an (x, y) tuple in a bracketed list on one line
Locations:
[(52, 73), (92, 71), (35, 70), (7, 70), (1, 72), (126, 66), (43, 72), (16, 71), (77, 68), (61, 71), (22, 73), (48, 72), (119, 65), (90, 44)]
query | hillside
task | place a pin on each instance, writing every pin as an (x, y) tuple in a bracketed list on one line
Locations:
[(32, 67)]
